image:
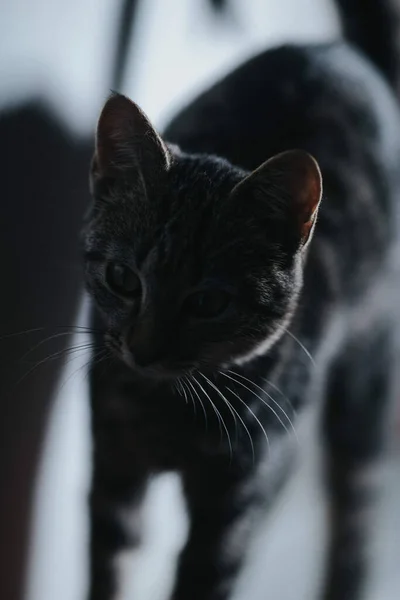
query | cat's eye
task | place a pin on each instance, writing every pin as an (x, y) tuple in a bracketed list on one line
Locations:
[(122, 280), (207, 304)]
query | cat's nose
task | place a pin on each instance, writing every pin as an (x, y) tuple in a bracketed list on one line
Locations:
[(146, 355), (145, 346)]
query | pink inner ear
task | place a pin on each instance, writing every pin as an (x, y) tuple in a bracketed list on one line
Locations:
[(291, 185), (310, 196), (299, 172)]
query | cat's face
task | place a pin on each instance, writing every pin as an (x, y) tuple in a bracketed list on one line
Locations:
[(193, 264)]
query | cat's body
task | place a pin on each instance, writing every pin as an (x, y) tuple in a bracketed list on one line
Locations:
[(187, 224)]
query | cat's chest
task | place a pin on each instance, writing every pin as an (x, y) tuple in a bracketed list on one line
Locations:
[(160, 431)]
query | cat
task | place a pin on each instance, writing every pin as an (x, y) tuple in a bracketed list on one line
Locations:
[(242, 263)]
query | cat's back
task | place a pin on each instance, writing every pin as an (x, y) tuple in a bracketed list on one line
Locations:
[(329, 100), (287, 96)]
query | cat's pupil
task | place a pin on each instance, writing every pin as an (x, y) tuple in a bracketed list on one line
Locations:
[(207, 304), (122, 280)]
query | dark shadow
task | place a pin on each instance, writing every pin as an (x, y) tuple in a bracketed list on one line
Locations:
[(44, 192)]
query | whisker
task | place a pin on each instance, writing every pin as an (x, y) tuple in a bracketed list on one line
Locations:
[(176, 387), (181, 390), (71, 328), (23, 332), (184, 383), (221, 395), (94, 359), (55, 355), (276, 388), (211, 402), (220, 420), (244, 425), (71, 375), (220, 416), (254, 415), (307, 352), (98, 358), (242, 422), (200, 400), (263, 401), (48, 339), (272, 399), (80, 328), (112, 359)]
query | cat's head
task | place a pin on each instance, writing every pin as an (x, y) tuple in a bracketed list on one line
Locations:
[(193, 263)]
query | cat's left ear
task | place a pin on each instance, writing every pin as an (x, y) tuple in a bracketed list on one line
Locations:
[(126, 142), (290, 185)]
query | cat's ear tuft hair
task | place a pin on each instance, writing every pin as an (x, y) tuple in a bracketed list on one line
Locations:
[(291, 185), (126, 141)]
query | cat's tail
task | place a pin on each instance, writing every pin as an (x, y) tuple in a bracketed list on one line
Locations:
[(374, 27)]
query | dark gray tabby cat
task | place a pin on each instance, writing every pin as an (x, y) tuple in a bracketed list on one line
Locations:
[(208, 282)]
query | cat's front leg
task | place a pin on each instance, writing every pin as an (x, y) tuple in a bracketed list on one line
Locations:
[(110, 533), (118, 484), (222, 510)]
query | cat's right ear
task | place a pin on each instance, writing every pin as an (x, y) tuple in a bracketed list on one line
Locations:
[(289, 185), (127, 144)]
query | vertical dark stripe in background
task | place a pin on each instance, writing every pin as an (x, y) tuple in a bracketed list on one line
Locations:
[(219, 5), (124, 39)]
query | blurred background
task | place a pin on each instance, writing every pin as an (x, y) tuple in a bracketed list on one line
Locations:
[(58, 62)]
